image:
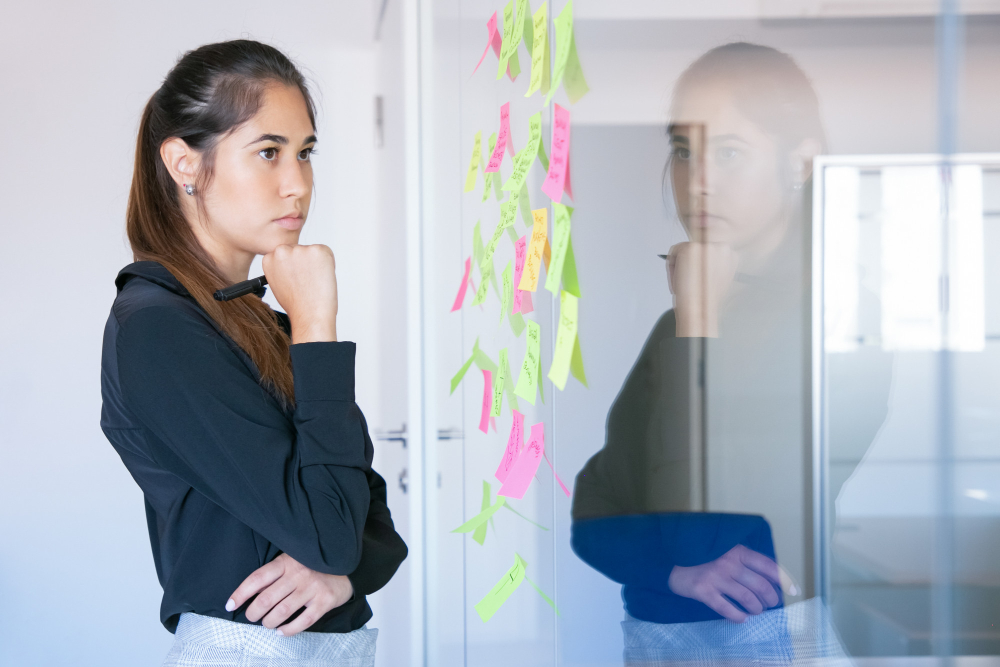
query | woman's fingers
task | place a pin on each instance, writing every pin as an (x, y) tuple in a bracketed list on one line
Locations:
[(269, 597), (743, 595), (759, 586), (760, 564), (723, 607), (315, 609), (261, 578), (288, 605)]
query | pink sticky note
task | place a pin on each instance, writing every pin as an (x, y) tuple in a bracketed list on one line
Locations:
[(491, 26), (568, 188), (555, 180), (526, 305), (526, 465), (460, 298), (514, 443), (484, 420), (502, 139), (565, 490)]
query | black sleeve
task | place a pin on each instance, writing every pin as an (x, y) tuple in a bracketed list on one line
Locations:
[(382, 548), (301, 483)]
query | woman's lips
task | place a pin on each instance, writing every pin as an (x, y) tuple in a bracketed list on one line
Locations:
[(290, 223)]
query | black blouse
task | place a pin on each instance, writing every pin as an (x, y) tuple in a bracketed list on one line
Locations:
[(231, 478)]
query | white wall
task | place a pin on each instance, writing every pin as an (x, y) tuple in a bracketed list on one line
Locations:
[(76, 573)]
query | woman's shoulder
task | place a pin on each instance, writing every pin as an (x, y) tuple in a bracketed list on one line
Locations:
[(147, 290)]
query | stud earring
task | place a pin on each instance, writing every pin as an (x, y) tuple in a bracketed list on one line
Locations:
[(189, 189)]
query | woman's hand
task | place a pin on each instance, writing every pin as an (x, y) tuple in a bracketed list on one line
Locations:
[(304, 281), (285, 586), (699, 275), (742, 574)]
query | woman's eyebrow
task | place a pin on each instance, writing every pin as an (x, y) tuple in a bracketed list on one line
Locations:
[(728, 137), (278, 139)]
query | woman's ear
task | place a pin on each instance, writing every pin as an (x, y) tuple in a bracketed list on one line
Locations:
[(802, 160), (181, 160)]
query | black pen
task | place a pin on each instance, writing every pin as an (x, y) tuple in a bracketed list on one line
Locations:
[(240, 289)]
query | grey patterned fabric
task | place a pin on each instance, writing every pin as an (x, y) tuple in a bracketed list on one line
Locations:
[(203, 641), (800, 634)]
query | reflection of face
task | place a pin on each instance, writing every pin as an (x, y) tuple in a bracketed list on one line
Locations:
[(731, 191), (259, 195)]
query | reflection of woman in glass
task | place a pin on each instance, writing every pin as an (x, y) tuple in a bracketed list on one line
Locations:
[(709, 434)]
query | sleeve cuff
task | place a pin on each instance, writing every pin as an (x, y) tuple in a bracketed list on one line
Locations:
[(323, 371)]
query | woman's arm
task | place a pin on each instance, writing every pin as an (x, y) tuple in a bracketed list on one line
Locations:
[(382, 548), (301, 483)]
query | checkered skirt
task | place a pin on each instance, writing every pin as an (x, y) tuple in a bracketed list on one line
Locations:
[(204, 641)]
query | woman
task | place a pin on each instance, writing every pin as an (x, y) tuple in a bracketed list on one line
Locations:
[(702, 482), (239, 422)]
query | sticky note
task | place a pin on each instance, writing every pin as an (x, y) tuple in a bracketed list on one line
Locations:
[(570, 281), (567, 69), (493, 600), (527, 381), (495, 40), (526, 158), (539, 590), (555, 179), (465, 367), (473, 171), (540, 74), (512, 235), (496, 157), (520, 250), (567, 343), (480, 533), (516, 324), (508, 210), (524, 20), (576, 363), (560, 242), (477, 257), (526, 465), (460, 297), (484, 419), (496, 404), (514, 444), (483, 360), (524, 206), (533, 523), (486, 269), (536, 247), (508, 382), (508, 290), (487, 175), (509, 43), (554, 473), (481, 518)]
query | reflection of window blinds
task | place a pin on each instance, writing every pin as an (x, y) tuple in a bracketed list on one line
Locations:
[(841, 231), (912, 270)]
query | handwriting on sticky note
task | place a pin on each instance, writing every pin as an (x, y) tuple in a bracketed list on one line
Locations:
[(567, 69), (460, 297), (502, 138), (484, 419), (509, 44), (496, 404), (526, 465), (514, 444), (555, 180), (503, 589), (486, 271), (526, 158), (565, 339), (473, 171), (508, 210), (539, 52), (527, 381), (560, 242), (508, 291), (520, 251), (533, 260)]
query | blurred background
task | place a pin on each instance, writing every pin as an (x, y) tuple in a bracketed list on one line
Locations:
[(892, 521)]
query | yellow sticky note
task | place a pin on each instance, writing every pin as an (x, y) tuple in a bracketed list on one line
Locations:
[(490, 604), (536, 248), (498, 384), (539, 52), (526, 158), (470, 176), (527, 381), (560, 242), (565, 339)]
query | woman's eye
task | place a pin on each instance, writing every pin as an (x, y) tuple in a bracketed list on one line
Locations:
[(305, 153), (681, 153), (726, 153), (268, 153)]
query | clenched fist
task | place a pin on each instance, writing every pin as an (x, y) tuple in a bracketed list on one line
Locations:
[(304, 281)]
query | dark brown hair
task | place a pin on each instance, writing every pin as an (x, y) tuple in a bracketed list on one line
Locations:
[(211, 91)]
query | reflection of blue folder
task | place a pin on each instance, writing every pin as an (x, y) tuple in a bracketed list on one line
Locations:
[(639, 551)]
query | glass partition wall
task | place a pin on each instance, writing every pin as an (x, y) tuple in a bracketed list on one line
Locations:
[(760, 379)]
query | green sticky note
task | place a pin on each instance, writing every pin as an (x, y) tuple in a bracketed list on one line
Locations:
[(567, 68), (470, 176), (488, 176), (516, 324), (544, 596), (570, 282), (525, 518), (524, 19), (542, 157), (527, 381), (481, 518), (464, 369), (480, 533), (561, 215), (576, 362), (524, 159), (508, 384), (539, 52), (486, 272), (574, 82), (565, 339), (483, 361), (509, 44), (507, 212), (524, 206), (477, 245), (512, 235), (490, 604), (541, 383), (498, 384), (508, 290)]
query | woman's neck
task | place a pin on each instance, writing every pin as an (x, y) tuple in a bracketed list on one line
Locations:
[(232, 263)]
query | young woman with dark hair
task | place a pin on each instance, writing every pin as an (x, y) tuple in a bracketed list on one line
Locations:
[(238, 422)]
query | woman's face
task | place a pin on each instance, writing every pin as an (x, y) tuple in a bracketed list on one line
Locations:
[(725, 171), (262, 180)]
